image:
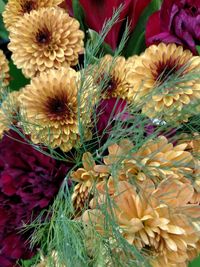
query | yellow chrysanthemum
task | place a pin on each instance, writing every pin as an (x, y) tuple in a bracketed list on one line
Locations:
[(51, 39), (4, 71), (50, 109), (9, 111), (153, 85), (86, 178), (156, 159), (110, 75), (159, 223), (15, 9)]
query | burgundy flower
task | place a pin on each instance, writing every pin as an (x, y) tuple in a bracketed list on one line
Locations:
[(97, 12), (178, 21), (29, 181), (107, 112)]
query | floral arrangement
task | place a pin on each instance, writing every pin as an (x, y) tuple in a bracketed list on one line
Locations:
[(99, 133)]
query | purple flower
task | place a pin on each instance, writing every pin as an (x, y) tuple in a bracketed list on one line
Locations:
[(29, 181), (178, 21)]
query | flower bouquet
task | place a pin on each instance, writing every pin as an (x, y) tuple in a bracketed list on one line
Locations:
[(99, 133)]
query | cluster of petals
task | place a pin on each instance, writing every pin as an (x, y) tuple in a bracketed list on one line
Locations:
[(51, 39), (158, 220)]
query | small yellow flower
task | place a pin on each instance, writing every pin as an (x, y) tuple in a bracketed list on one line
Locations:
[(50, 109), (4, 72), (149, 76), (15, 9), (110, 75), (87, 178), (51, 39), (9, 111)]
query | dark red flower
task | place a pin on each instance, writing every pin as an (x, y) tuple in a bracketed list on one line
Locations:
[(107, 112), (29, 181), (97, 12), (178, 21)]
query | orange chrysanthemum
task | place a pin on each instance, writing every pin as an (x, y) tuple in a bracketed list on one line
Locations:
[(51, 39), (156, 160), (4, 71), (86, 178), (159, 223), (110, 75), (50, 108), (153, 88), (9, 111), (15, 9)]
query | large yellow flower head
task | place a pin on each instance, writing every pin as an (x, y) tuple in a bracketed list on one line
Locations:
[(156, 160), (4, 70), (110, 75), (50, 38), (15, 9), (159, 222), (51, 110), (161, 95)]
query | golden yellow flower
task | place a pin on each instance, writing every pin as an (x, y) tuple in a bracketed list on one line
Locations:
[(160, 223), (15, 9), (86, 178), (9, 111), (156, 160), (51, 39), (4, 71), (50, 109), (155, 86), (110, 75), (192, 141)]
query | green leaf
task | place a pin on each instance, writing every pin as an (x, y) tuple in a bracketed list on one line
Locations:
[(3, 31), (195, 263), (17, 78), (2, 6), (198, 49), (79, 14), (136, 42), (93, 36)]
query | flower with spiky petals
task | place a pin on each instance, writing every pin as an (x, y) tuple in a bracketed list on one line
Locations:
[(15, 9), (159, 223), (51, 39), (9, 111), (50, 109), (4, 71), (158, 84), (156, 160), (86, 178), (110, 75)]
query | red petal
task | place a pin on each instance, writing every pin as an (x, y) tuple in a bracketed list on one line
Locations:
[(136, 10), (97, 12), (153, 27)]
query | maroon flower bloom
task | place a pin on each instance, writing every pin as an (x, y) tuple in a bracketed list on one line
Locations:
[(97, 12), (178, 21), (107, 112), (29, 181)]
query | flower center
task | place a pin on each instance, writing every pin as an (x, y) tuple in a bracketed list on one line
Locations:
[(43, 36), (57, 106), (111, 85), (28, 6), (164, 71)]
